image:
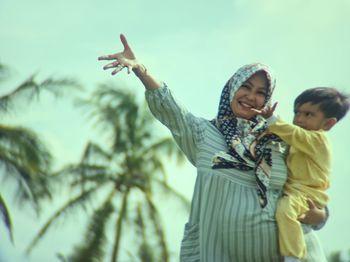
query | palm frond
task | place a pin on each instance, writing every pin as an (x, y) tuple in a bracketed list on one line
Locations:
[(153, 168), (171, 191), (95, 153), (70, 204), (91, 170), (108, 94), (92, 247), (88, 174), (117, 112), (88, 171), (104, 118), (31, 189), (30, 89), (6, 217), (27, 161), (166, 146), (145, 251), (24, 145)]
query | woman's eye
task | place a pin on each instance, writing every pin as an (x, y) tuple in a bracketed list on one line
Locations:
[(261, 93)]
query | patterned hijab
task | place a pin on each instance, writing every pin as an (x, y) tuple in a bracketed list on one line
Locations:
[(245, 138)]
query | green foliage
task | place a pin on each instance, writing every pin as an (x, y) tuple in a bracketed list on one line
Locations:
[(127, 167), (145, 251), (93, 248), (6, 216), (339, 256), (24, 158)]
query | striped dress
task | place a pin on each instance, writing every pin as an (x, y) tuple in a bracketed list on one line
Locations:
[(226, 222)]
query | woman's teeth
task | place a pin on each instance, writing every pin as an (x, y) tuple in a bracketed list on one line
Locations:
[(245, 105)]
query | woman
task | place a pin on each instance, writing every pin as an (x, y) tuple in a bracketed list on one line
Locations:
[(240, 168)]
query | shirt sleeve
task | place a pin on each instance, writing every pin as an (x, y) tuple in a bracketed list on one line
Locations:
[(309, 142), (185, 127)]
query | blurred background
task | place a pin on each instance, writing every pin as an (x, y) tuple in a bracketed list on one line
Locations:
[(194, 46)]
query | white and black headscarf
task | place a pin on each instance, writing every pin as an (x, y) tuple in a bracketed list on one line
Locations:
[(246, 139)]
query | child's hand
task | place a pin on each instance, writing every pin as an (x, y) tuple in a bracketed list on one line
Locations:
[(265, 112), (314, 216)]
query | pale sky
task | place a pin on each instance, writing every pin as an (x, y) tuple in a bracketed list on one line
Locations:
[(194, 46)]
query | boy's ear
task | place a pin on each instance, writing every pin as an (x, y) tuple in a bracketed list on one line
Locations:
[(330, 122)]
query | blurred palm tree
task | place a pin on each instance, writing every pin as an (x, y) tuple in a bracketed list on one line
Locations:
[(339, 256), (121, 175), (24, 159)]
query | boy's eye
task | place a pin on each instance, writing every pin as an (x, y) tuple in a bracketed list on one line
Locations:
[(309, 114)]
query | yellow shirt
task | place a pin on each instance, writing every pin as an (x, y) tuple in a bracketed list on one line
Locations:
[(308, 161)]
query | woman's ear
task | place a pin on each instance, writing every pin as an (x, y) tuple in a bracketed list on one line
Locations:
[(330, 122)]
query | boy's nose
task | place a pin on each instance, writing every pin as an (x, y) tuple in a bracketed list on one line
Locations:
[(298, 120)]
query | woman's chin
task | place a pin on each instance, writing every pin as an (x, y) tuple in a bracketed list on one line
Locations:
[(246, 114)]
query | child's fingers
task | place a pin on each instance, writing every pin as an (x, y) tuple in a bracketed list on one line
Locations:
[(256, 110), (310, 203), (274, 106)]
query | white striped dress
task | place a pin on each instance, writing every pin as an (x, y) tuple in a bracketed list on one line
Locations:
[(226, 222)]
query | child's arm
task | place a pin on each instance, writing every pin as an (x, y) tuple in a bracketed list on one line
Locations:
[(310, 142)]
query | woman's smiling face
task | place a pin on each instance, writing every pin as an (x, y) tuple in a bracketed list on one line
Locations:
[(251, 94)]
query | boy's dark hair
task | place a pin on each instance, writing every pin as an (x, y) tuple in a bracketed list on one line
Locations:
[(331, 102)]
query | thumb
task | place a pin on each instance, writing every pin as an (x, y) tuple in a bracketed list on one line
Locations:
[(301, 217), (311, 204), (124, 42)]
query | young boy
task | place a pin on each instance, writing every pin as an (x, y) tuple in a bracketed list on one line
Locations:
[(316, 110)]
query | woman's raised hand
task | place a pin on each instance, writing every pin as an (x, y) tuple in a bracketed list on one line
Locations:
[(122, 59)]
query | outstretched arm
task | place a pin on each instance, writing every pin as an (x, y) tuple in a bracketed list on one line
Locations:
[(127, 59)]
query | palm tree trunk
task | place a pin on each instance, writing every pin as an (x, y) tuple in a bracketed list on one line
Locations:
[(119, 225), (156, 222)]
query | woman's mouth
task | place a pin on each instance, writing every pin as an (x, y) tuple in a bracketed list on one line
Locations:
[(245, 105)]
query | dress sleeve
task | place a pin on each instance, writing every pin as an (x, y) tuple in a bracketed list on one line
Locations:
[(186, 128)]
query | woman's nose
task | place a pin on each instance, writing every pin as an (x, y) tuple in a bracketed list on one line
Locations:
[(251, 96)]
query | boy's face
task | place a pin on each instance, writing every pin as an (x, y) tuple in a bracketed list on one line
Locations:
[(310, 117)]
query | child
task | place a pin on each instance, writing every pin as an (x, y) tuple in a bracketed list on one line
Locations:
[(316, 110)]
